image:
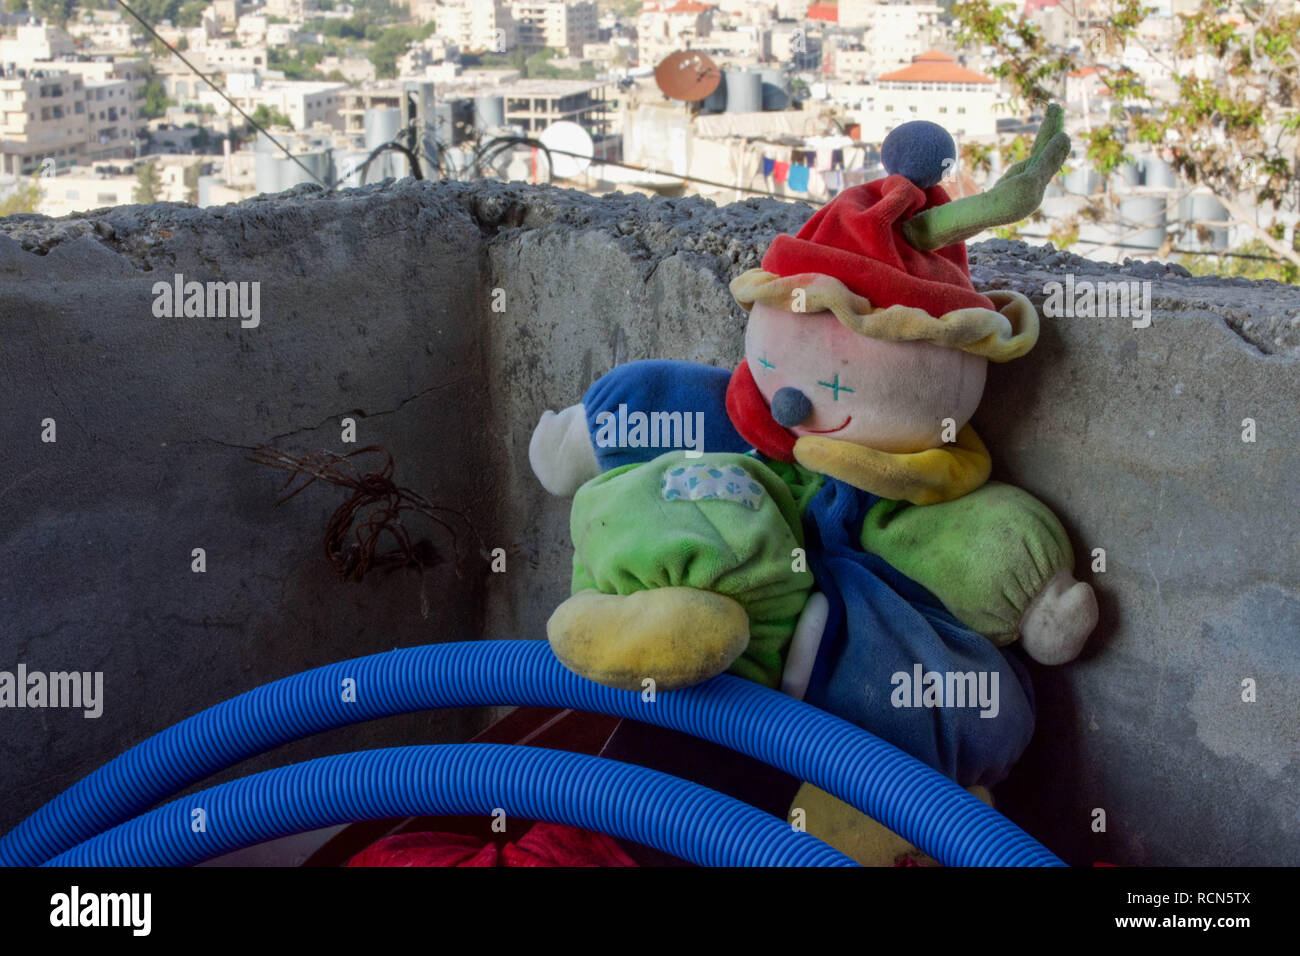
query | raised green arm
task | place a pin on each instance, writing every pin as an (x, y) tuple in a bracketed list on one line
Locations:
[(1015, 196)]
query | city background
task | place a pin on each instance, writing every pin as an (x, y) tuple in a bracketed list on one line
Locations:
[(1184, 116)]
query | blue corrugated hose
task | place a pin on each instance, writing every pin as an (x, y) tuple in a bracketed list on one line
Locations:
[(651, 808), (916, 802)]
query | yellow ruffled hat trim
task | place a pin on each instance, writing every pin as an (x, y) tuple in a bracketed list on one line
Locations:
[(999, 336)]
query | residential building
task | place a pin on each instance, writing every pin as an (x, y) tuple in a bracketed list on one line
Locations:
[(35, 41), (42, 115), (666, 27), (295, 11), (534, 105), (304, 102), (563, 25), (477, 26), (933, 87)]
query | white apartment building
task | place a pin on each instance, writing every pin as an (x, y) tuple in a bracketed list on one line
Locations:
[(93, 187), (42, 115), (477, 26), (252, 29), (104, 35), (112, 117), (223, 56), (304, 102), (666, 27), (354, 69), (293, 10), (933, 87), (901, 31), (555, 24), (35, 42), (426, 11), (228, 12), (745, 42)]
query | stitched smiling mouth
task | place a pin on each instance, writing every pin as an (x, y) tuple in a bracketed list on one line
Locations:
[(827, 431)]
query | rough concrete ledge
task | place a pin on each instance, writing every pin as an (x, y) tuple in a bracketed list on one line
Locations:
[(378, 303)]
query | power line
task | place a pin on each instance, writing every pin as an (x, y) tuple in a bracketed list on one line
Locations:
[(684, 178), (220, 92), (1182, 252)]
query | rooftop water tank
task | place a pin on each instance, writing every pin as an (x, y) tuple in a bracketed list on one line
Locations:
[(744, 91), (489, 112), (1142, 221), (776, 89)]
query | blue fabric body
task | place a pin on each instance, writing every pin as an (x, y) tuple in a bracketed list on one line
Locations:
[(881, 622), (662, 385)]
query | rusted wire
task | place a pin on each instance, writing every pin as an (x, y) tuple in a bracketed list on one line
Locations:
[(376, 507)]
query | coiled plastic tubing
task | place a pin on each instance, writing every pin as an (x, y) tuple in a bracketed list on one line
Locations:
[(913, 800), (654, 809)]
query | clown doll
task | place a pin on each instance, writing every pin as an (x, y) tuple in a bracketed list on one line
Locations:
[(839, 538)]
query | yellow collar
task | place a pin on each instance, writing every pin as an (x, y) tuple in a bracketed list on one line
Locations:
[(923, 478)]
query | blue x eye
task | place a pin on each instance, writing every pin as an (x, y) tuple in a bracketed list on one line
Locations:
[(835, 386), (764, 362)]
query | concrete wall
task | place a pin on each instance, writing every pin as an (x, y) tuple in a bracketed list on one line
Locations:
[(380, 303)]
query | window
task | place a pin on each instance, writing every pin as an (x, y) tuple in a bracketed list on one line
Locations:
[(961, 110)]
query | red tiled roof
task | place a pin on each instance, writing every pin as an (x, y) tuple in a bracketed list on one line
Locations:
[(829, 12), (933, 66), (688, 6)]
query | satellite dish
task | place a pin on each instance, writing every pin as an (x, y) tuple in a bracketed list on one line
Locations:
[(565, 137), (688, 76)]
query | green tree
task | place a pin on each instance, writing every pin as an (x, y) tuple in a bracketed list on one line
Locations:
[(155, 99), (53, 11), (190, 13), (264, 116), (1232, 128), (23, 199), (148, 183)]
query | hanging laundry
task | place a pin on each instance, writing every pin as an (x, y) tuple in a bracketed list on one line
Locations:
[(837, 158), (834, 180), (824, 159), (799, 178), (781, 171), (816, 184), (768, 165)]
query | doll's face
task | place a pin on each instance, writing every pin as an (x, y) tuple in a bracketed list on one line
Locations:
[(891, 396)]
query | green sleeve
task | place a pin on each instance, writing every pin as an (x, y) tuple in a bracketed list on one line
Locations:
[(633, 530), (985, 555)]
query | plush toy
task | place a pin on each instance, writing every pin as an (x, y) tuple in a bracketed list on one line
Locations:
[(833, 530)]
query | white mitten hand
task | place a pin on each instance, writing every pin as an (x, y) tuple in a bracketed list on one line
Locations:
[(560, 451), (1057, 622)]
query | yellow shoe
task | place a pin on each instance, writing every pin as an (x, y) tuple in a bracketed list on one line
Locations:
[(674, 636), (854, 833)]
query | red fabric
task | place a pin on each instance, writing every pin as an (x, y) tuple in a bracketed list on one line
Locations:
[(857, 237), (752, 417), (780, 171), (545, 844), (550, 844), (427, 849)]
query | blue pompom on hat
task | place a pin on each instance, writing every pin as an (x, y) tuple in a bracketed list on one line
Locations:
[(921, 151)]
